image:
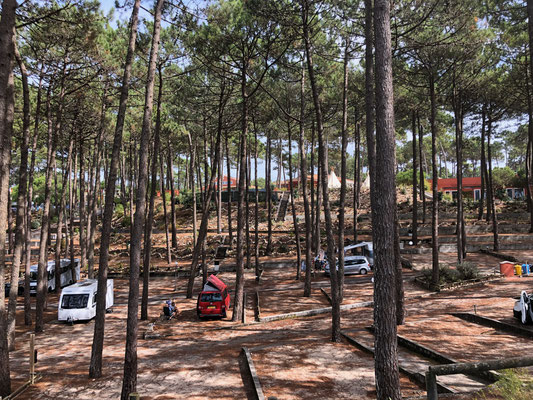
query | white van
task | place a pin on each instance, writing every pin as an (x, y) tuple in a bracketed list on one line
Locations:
[(78, 302), (64, 270)]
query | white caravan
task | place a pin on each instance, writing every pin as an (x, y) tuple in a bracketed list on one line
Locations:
[(78, 302), (367, 249), (64, 269)]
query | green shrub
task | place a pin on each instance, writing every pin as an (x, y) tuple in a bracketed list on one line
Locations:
[(468, 270), (119, 210), (446, 275), (512, 385)]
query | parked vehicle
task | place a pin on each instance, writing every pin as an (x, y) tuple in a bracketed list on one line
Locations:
[(353, 265), (363, 249), (214, 300), (66, 276), (64, 269), (78, 302), (523, 308)]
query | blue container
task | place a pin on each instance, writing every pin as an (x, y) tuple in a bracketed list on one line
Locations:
[(525, 269)]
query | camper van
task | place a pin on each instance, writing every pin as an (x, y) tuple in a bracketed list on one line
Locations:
[(64, 270), (78, 302), (214, 299)]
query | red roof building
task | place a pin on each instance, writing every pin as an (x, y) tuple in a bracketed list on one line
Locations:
[(449, 186)]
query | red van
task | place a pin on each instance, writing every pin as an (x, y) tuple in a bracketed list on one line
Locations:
[(214, 299)]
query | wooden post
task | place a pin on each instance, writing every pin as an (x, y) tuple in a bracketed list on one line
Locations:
[(244, 308), (431, 385), (176, 277), (32, 358)]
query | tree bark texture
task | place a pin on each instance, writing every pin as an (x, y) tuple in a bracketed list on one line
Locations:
[(335, 301), (20, 224), (129, 382), (386, 357), (7, 110), (95, 368)]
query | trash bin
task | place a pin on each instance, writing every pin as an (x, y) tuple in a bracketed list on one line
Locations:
[(518, 269), (525, 269), (507, 268)]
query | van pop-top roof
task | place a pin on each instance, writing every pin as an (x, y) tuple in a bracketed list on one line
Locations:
[(214, 284)]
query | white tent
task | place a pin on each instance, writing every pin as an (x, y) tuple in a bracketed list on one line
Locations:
[(333, 181), (366, 183)]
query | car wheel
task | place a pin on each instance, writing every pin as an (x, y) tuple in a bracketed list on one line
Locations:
[(363, 271), (517, 314), (224, 315)]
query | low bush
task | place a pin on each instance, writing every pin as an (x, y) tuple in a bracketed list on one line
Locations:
[(447, 275), (468, 270), (514, 384)]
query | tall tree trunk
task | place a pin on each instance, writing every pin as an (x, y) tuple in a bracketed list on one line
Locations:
[(318, 231), (247, 210), (386, 358), (268, 179), (21, 205), (435, 209), (95, 369), (192, 162), (129, 383), (312, 194), (219, 189), (72, 201), (96, 188), (357, 173), (7, 110), (61, 215), (147, 251), (304, 180), (238, 306), (83, 216), (170, 174), (199, 247), (491, 187), (165, 212), (42, 280), (335, 301), (293, 207), (132, 147), (256, 211), (228, 167), (415, 184), (458, 117), (530, 120), (422, 178), (29, 204), (344, 146), (483, 166)]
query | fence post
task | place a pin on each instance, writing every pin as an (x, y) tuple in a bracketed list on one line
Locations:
[(244, 308), (431, 385), (32, 358)]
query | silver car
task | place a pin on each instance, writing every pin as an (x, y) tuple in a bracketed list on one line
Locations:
[(353, 265)]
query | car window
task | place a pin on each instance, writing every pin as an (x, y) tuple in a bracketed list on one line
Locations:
[(211, 297), (74, 301)]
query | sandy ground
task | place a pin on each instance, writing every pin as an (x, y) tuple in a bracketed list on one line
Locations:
[(294, 358)]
